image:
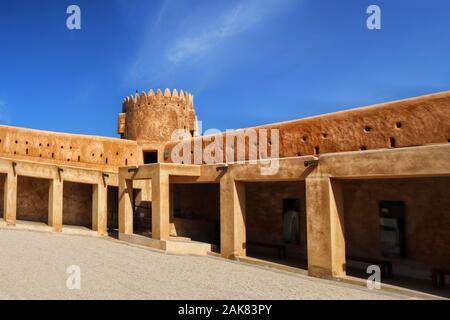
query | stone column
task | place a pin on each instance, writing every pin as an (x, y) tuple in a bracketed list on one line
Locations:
[(125, 206), (325, 221), (232, 217), (100, 208), (160, 206), (10, 199), (55, 205)]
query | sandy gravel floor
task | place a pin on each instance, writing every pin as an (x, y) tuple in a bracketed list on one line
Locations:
[(33, 266)]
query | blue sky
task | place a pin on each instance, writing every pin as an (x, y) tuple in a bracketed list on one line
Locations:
[(247, 62)]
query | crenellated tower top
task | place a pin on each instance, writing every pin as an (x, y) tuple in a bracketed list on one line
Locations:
[(151, 118), (136, 100)]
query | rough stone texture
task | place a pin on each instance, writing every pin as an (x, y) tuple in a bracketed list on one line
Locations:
[(36, 263)]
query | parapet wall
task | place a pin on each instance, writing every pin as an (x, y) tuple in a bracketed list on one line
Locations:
[(151, 119), (75, 150), (404, 123)]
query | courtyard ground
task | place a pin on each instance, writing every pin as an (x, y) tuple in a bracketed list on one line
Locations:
[(33, 266)]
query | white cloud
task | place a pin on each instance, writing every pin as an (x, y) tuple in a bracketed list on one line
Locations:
[(161, 12), (238, 19), (179, 37)]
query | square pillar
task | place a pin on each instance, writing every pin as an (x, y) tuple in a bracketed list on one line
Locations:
[(55, 204), (10, 199), (100, 208), (325, 222), (125, 206), (232, 218), (160, 206)]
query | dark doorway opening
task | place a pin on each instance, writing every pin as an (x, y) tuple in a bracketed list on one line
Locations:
[(291, 204), (2, 193), (113, 211), (142, 214), (150, 157)]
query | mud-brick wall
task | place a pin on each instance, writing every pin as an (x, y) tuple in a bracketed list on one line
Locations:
[(200, 212), (427, 202), (264, 214), (405, 123), (60, 148)]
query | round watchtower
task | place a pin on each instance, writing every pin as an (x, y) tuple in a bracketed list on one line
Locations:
[(151, 119)]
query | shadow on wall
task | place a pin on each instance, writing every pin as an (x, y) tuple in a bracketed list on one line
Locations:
[(113, 208), (265, 219), (2, 188), (426, 222), (196, 212), (32, 199), (77, 207)]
